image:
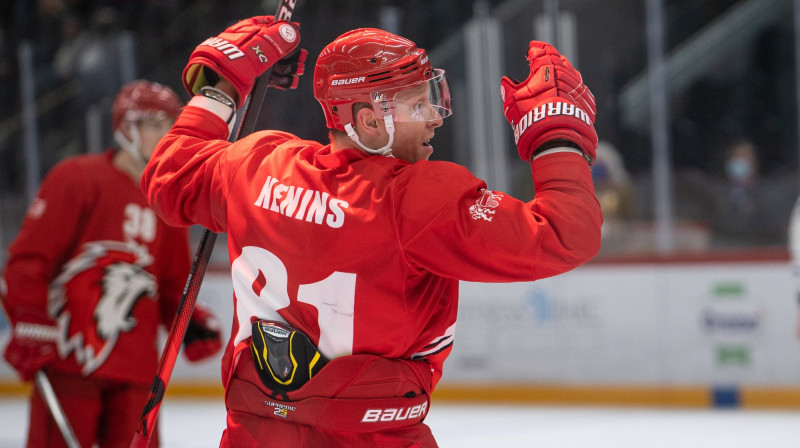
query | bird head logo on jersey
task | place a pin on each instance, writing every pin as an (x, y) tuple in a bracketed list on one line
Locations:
[(379, 69), (94, 296), (485, 206)]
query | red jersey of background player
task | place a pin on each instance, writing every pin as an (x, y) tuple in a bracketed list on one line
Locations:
[(108, 271)]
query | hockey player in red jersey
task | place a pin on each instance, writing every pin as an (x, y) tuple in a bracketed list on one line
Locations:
[(91, 276), (346, 257)]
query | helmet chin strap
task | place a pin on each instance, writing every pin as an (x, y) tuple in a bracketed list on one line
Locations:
[(386, 150), (133, 146)]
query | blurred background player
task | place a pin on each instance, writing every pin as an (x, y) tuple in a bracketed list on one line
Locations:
[(348, 256), (91, 276)]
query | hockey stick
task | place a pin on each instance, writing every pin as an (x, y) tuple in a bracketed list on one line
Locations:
[(248, 121), (50, 399), (46, 388), (174, 339)]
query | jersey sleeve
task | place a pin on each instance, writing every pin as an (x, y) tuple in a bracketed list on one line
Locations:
[(46, 237), (186, 181), (451, 224)]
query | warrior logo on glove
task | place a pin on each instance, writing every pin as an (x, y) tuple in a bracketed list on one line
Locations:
[(227, 48), (288, 33), (552, 109), (551, 104), (242, 53)]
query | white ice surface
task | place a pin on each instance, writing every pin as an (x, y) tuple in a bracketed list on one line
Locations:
[(199, 424)]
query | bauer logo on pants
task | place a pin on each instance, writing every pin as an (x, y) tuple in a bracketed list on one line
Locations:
[(394, 414)]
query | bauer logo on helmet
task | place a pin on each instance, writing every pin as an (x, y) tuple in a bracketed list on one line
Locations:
[(344, 82)]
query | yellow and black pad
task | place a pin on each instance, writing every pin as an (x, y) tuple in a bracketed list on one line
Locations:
[(284, 357)]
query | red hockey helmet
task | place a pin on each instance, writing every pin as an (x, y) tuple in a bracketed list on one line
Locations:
[(372, 66), (144, 99)]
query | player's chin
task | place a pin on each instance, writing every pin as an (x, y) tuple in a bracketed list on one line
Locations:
[(413, 153), (426, 149)]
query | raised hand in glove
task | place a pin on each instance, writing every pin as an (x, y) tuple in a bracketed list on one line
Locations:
[(202, 339), (552, 105), (33, 343), (244, 51)]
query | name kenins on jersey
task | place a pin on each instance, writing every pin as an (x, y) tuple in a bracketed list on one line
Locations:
[(302, 204)]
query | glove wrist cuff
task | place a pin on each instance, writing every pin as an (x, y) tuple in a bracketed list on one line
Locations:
[(562, 145), (557, 143), (218, 108), (217, 95)]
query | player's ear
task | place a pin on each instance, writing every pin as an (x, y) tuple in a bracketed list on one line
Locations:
[(367, 121)]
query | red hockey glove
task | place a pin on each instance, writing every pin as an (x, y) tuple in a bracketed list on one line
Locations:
[(240, 54), (202, 339), (553, 103), (33, 343)]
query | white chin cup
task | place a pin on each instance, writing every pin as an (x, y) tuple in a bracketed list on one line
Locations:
[(386, 150), (133, 147)]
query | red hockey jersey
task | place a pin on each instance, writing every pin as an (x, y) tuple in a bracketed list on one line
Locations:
[(364, 253), (103, 265)]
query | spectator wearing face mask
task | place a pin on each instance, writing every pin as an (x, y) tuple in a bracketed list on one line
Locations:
[(751, 209)]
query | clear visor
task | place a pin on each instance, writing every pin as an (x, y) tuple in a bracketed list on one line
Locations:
[(427, 100)]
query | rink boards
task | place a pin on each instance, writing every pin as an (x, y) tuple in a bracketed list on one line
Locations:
[(663, 332)]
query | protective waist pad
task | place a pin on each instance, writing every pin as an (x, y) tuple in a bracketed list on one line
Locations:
[(284, 357)]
